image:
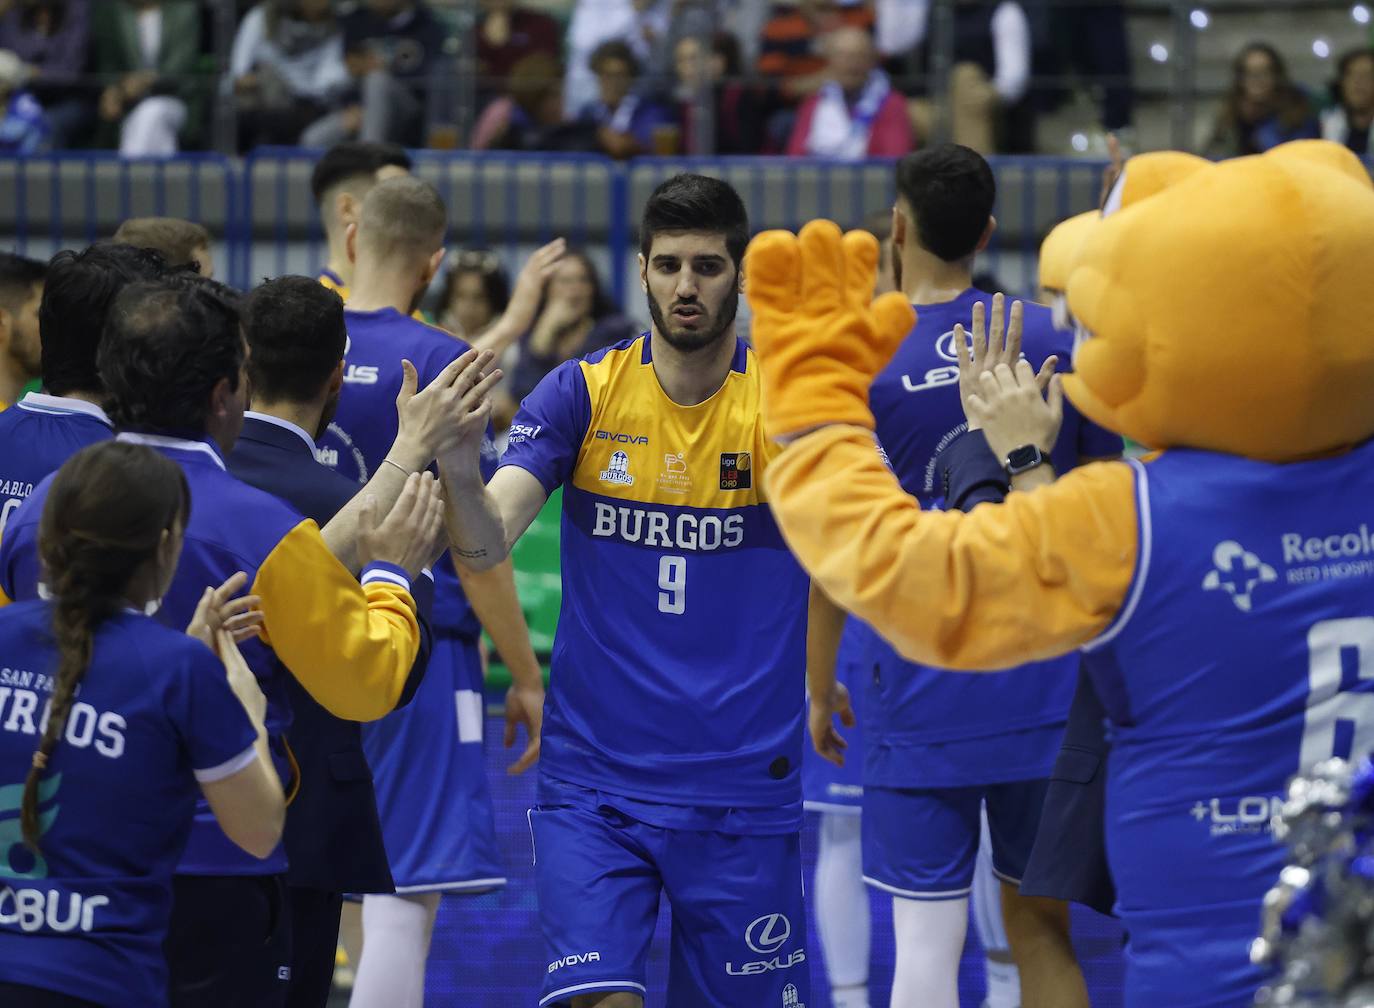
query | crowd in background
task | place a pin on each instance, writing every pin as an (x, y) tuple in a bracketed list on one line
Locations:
[(841, 80)]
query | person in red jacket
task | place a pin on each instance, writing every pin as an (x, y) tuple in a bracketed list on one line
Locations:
[(856, 113)]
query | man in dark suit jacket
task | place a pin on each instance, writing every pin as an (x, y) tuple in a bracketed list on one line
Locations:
[(296, 339)]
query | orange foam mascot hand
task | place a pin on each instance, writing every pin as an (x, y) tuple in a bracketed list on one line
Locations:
[(819, 335)]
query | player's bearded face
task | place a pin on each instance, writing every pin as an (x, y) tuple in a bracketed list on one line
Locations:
[(693, 289)]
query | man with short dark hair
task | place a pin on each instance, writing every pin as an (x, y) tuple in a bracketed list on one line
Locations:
[(180, 242), (45, 429), (948, 746), (340, 182), (296, 340), (21, 290), (172, 359), (440, 827), (682, 602)]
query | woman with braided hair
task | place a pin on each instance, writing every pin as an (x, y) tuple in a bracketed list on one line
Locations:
[(109, 724)]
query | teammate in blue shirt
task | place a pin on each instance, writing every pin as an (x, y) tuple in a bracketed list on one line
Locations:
[(673, 729), (111, 726), (42, 431), (440, 826), (172, 357), (938, 747)]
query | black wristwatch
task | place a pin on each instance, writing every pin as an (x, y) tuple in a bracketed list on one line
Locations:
[(1023, 459)]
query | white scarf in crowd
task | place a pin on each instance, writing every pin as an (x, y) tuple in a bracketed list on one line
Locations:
[(841, 132)]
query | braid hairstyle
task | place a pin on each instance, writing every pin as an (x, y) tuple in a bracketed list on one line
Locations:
[(104, 518)]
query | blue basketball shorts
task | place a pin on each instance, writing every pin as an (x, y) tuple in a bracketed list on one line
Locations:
[(739, 920), (923, 843)]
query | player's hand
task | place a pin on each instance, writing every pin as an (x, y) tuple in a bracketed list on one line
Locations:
[(241, 679), (437, 420), (405, 537), (818, 332), (530, 282), (980, 354), (821, 722), (524, 706), (1012, 410), (224, 609)]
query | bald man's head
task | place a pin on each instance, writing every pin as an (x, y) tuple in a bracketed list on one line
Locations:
[(852, 57)]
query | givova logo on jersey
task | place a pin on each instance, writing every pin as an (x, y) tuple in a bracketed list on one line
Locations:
[(765, 936)]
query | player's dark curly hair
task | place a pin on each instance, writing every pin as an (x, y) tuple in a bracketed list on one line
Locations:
[(353, 159), (106, 511), (296, 338), (949, 190), (691, 202), (166, 344), (77, 294)]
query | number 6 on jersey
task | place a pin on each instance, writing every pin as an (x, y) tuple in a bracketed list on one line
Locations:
[(672, 582)]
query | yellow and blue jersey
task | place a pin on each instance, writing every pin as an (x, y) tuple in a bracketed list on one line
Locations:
[(678, 664)]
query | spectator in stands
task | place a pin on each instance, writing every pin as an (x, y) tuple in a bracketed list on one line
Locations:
[(149, 50), (1263, 109), (989, 75), (181, 243), (21, 291), (738, 108), (1090, 38), (24, 128), (1348, 121), (529, 117), (626, 123), (576, 318), (507, 34), (476, 291), (651, 28), (790, 49), (52, 38), (391, 50), (287, 69), (856, 113)]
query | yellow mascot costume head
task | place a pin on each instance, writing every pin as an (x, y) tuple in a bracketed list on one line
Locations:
[(1209, 334)]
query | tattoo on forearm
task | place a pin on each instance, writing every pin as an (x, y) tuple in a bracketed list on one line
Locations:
[(476, 554)]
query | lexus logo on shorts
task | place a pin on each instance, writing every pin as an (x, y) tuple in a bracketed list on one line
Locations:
[(768, 934)]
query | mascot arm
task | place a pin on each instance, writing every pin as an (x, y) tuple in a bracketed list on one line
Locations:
[(1037, 576)]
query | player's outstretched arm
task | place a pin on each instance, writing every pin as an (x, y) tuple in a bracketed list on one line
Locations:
[(1038, 576), (428, 420), (497, 605), (829, 697), (351, 645), (485, 519), (525, 299)]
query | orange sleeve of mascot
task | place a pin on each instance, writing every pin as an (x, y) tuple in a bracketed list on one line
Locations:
[(1039, 575)]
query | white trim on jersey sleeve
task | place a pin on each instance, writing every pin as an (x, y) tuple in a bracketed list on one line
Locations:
[(1142, 564), (229, 767)]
